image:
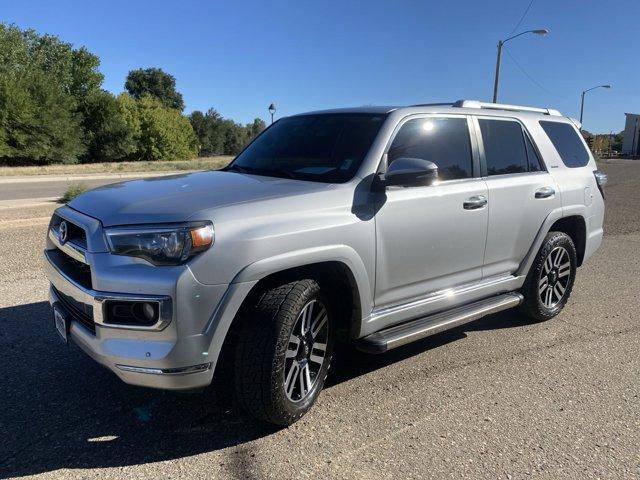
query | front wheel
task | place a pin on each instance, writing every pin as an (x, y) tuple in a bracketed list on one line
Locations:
[(550, 280), (284, 352)]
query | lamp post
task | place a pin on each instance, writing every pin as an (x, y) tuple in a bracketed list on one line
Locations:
[(582, 99), (541, 31), (272, 110)]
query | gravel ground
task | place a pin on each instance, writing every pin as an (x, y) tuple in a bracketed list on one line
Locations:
[(500, 398)]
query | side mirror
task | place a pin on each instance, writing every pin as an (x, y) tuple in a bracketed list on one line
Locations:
[(411, 172)]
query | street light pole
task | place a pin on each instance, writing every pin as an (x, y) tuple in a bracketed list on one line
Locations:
[(541, 31), (272, 110), (582, 99)]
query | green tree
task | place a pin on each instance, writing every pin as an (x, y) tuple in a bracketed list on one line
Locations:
[(108, 135), (209, 128), (255, 127), (43, 85), (74, 71), (219, 136), (154, 82), (160, 133), (235, 137), (38, 122)]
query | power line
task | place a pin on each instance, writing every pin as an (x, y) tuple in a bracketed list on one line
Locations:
[(522, 69), (522, 17)]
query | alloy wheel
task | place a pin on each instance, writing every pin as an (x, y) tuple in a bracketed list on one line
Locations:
[(306, 351), (554, 277)]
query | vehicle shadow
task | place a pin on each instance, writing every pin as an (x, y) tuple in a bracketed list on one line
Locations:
[(62, 410), (351, 363)]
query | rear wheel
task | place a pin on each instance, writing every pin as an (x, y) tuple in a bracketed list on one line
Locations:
[(284, 352), (550, 280)]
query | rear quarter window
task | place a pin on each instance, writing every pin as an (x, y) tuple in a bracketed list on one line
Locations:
[(567, 143)]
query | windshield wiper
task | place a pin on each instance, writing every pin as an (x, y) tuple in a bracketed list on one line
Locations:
[(278, 172), (284, 173), (235, 168)]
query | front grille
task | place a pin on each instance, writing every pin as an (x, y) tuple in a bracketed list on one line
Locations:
[(75, 233), (80, 312), (77, 271)]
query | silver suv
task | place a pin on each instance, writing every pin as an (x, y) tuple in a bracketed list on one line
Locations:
[(376, 226)]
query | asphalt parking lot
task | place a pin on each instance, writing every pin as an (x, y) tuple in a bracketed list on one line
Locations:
[(500, 398)]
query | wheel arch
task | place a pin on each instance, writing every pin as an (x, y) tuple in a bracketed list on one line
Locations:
[(319, 263), (576, 227), (573, 225), (334, 277)]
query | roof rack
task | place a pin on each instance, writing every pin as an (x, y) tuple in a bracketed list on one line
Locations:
[(440, 104), (502, 106)]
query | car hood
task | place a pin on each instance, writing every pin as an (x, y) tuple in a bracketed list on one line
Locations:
[(178, 198)]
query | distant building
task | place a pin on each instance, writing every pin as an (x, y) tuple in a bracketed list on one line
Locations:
[(631, 139)]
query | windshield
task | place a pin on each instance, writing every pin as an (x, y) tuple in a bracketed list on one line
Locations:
[(321, 148)]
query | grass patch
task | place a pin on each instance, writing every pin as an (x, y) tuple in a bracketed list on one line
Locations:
[(72, 192), (201, 163)]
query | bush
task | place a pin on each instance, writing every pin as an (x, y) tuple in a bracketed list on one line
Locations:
[(72, 192)]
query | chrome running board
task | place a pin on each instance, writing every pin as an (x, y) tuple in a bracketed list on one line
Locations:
[(404, 333)]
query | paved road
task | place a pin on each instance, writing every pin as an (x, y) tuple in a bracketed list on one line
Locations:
[(501, 398), (46, 186)]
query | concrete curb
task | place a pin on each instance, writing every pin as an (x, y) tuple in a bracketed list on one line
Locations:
[(88, 176), (28, 202)]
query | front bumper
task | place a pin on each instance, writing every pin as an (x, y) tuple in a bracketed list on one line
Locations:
[(174, 355)]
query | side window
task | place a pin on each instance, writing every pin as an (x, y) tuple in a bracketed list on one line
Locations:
[(535, 165), (443, 141), (567, 142), (504, 146)]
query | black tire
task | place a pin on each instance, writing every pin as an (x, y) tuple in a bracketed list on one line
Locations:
[(542, 299), (263, 353)]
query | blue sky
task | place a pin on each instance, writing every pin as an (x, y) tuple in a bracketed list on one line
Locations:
[(238, 56)]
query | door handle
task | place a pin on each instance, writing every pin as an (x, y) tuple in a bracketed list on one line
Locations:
[(545, 192), (475, 202)]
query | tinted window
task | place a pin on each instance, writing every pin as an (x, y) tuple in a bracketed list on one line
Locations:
[(504, 147), (567, 142), (443, 141), (323, 147), (535, 165)]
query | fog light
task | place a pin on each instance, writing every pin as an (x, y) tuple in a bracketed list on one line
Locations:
[(149, 311), (132, 313)]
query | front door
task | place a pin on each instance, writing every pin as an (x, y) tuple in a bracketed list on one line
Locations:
[(431, 238)]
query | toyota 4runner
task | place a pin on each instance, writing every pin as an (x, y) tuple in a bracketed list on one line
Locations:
[(376, 225)]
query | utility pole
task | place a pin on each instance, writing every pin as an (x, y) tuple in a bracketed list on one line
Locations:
[(497, 77)]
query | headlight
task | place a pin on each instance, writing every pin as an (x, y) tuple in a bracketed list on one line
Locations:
[(161, 245)]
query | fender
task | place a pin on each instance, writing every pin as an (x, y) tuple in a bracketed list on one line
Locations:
[(298, 258), (242, 284), (553, 217)]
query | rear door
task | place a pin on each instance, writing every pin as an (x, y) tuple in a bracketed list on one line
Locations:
[(521, 193)]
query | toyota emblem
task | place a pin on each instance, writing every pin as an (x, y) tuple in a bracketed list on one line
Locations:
[(63, 232)]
